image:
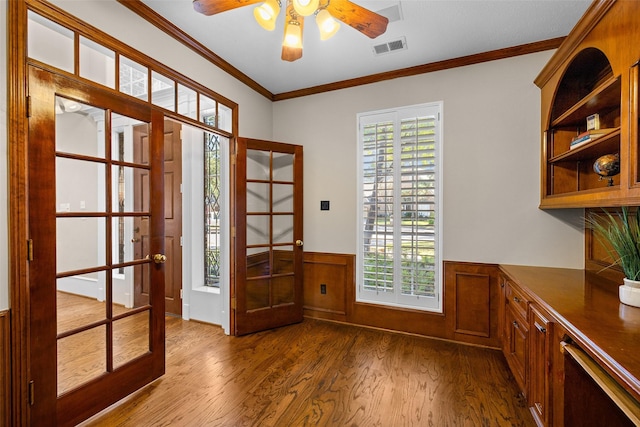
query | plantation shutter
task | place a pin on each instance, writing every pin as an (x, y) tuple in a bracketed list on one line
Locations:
[(398, 259)]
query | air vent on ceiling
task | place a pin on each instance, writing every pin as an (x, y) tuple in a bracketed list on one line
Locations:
[(392, 46)]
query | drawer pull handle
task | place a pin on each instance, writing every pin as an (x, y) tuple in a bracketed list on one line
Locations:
[(515, 324), (541, 328), (516, 299)]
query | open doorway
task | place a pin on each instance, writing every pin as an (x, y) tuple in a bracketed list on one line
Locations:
[(196, 219), (205, 226)]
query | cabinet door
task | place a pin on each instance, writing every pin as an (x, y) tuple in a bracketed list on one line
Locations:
[(540, 367), (516, 346)]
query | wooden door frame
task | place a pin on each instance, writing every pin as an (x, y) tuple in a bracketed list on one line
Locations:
[(18, 211)]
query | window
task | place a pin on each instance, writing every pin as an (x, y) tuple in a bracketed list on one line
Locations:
[(399, 207), (62, 47), (212, 211)]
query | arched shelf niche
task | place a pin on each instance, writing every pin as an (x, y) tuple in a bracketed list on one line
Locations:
[(587, 80), (587, 93)]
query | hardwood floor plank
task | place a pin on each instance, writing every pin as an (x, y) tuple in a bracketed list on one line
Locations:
[(321, 374)]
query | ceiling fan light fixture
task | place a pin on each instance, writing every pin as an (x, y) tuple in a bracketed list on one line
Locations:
[(293, 35), (305, 7), (267, 13), (327, 25)]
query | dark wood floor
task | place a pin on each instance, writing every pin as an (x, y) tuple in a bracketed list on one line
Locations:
[(320, 373)]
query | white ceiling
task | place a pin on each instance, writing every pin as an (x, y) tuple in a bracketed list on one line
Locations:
[(435, 30)]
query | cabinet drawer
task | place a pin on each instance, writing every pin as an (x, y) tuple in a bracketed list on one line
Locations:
[(516, 299)]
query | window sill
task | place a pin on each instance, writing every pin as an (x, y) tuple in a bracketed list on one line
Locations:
[(207, 290)]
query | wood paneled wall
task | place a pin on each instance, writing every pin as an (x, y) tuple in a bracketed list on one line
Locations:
[(5, 369), (596, 256), (471, 300), (337, 273)]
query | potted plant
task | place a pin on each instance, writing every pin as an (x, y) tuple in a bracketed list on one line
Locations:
[(620, 235)]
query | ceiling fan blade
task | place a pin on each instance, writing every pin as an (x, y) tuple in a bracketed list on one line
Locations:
[(367, 22), (211, 7), (292, 53)]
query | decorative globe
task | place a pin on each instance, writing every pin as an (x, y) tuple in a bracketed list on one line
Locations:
[(607, 165)]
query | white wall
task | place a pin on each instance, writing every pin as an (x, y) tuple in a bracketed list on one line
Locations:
[(4, 241), (491, 143)]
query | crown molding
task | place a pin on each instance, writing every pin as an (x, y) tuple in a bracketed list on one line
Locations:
[(462, 61)]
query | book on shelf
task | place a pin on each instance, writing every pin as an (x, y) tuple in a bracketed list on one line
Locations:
[(588, 136)]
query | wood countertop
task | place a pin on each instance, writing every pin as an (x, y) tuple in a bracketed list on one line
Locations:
[(587, 306)]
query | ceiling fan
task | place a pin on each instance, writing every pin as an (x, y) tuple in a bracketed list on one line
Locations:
[(367, 22)]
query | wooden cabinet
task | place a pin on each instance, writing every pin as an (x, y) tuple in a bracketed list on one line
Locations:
[(515, 344), (516, 347), (527, 346), (594, 72), (540, 361), (576, 312)]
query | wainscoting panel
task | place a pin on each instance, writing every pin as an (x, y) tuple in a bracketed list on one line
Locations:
[(472, 302), (5, 373), (329, 281)]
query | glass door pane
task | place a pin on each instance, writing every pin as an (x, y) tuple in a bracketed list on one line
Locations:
[(270, 229), (97, 183)]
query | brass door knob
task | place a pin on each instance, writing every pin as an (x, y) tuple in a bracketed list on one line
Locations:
[(299, 243), (159, 258)]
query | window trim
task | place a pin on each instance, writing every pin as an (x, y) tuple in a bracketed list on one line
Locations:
[(395, 299)]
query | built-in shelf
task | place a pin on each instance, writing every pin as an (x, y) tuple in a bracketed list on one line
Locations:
[(602, 100), (606, 144)]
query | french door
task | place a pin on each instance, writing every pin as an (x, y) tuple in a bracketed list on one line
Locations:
[(269, 246), (90, 344)]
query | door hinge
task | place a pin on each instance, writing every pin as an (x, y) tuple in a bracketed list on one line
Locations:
[(233, 303), (29, 250), (233, 232), (28, 106), (32, 393), (180, 293), (180, 240)]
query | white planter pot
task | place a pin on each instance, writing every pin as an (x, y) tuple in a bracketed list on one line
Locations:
[(630, 292)]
